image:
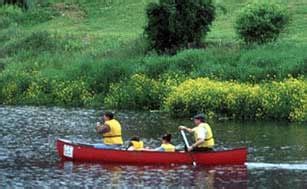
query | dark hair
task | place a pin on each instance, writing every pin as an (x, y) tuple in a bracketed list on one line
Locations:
[(135, 138), (167, 137), (109, 115), (200, 117)]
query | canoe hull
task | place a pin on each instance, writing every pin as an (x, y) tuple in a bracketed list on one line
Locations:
[(79, 152)]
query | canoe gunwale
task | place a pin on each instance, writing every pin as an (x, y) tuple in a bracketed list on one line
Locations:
[(86, 152), (117, 150)]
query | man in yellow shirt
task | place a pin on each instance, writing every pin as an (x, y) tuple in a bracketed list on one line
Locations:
[(111, 131), (203, 135)]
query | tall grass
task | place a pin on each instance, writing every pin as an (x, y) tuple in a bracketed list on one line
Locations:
[(77, 53), (253, 64)]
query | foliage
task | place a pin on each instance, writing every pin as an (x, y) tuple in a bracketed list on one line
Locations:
[(139, 92), (38, 42), (261, 22), (173, 25), (257, 64), (12, 15), (8, 15), (12, 86), (71, 93), (103, 74), (87, 46), (20, 3), (275, 100)]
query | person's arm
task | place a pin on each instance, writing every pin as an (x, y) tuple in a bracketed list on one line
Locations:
[(198, 142), (200, 139), (103, 129), (159, 149), (185, 129), (131, 148)]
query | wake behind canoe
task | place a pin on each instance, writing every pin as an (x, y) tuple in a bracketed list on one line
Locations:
[(68, 150)]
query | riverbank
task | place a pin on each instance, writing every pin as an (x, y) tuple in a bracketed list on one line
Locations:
[(92, 54)]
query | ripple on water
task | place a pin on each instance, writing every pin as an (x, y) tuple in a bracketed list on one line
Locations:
[(28, 157)]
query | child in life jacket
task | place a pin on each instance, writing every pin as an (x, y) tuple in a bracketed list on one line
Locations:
[(166, 145), (135, 144)]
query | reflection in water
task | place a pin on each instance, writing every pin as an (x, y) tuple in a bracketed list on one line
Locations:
[(183, 175), (28, 157)]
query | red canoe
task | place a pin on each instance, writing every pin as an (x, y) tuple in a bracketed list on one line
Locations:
[(68, 150)]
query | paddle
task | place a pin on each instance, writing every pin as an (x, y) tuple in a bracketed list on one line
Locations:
[(187, 146)]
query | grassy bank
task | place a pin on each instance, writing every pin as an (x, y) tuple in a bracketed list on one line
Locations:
[(88, 53)]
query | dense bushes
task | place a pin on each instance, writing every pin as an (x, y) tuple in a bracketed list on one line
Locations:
[(173, 25), (275, 100), (261, 22), (139, 92), (31, 88), (78, 66)]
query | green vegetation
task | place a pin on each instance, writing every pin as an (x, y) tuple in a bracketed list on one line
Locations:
[(261, 22), (273, 100), (93, 54), (175, 25), (20, 3), (139, 92)]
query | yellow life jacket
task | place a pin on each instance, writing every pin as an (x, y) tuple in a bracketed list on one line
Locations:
[(137, 145), (114, 136), (168, 147), (209, 140)]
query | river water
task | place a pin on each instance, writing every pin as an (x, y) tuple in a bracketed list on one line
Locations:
[(277, 152)]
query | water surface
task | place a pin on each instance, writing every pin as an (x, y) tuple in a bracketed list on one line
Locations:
[(277, 152)]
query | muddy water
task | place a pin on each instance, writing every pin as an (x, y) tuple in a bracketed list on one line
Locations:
[(277, 152)]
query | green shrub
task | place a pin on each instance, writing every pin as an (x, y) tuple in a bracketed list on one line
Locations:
[(9, 15), (275, 100), (28, 87), (12, 86), (261, 22), (139, 92), (39, 14), (71, 93), (36, 43), (173, 25), (38, 93), (21, 3), (99, 74), (39, 42), (155, 66), (2, 65), (261, 63)]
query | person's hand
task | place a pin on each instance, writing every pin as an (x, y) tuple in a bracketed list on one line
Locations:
[(181, 127), (97, 125), (190, 148)]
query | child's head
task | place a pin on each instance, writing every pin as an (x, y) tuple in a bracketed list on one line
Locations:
[(167, 138), (135, 138), (108, 116)]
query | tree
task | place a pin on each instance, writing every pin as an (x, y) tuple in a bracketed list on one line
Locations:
[(178, 24)]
